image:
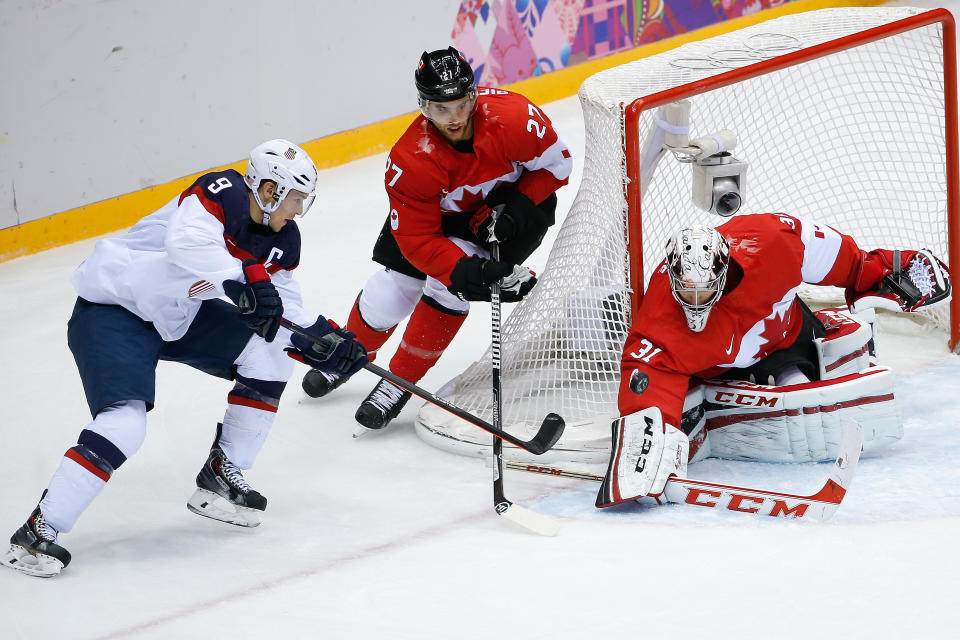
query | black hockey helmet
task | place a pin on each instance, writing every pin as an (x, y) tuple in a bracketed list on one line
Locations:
[(443, 75)]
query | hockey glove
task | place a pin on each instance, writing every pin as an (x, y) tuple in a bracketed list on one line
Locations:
[(473, 276), (331, 349), (492, 224), (258, 300), (508, 215), (899, 281), (645, 453)]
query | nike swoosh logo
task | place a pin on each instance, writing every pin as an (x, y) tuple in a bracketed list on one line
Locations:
[(730, 348)]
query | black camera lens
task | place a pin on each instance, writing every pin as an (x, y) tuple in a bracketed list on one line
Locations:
[(728, 204)]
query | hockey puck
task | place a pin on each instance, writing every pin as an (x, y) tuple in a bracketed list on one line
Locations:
[(638, 381)]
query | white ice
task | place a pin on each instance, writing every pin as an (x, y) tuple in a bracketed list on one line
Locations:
[(387, 537)]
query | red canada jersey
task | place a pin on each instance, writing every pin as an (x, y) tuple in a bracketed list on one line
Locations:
[(760, 315), (427, 178)]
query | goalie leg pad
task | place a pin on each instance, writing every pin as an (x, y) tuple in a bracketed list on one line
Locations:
[(645, 452), (799, 423)]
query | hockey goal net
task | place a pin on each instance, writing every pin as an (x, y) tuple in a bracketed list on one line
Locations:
[(845, 115)]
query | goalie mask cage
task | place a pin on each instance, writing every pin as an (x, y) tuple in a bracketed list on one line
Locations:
[(845, 115)]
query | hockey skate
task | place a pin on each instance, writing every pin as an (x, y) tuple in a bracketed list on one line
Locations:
[(317, 384), (382, 405), (34, 549), (223, 494)]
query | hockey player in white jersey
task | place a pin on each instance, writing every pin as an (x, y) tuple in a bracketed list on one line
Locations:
[(154, 293)]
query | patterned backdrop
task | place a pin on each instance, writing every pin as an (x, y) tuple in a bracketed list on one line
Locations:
[(510, 40)]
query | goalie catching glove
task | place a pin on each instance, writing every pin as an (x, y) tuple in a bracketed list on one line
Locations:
[(899, 281), (473, 276), (258, 300), (644, 454), (331, 349)]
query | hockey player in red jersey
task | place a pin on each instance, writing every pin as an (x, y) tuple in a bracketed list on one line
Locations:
[(154, 293), (469, 152), (724, 304)]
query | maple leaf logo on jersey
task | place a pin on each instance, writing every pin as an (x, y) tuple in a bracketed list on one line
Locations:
[(775, 328)]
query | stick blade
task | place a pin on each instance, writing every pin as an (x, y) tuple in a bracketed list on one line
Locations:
[(529, 520), (819, 506), (549, 433), (837, 485)]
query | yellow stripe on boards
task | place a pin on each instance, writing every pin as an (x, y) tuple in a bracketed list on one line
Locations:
[(123, 211)]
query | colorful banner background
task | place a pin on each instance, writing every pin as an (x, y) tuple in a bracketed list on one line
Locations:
[(510, 40)]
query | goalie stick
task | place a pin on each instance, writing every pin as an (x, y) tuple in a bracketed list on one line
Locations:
[(531, 520), (820, 505), (547, 435)]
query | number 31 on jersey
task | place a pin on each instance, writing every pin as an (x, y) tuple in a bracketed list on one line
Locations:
[(645, 352)]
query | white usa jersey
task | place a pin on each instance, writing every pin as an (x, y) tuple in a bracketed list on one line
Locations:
[(172, 260)]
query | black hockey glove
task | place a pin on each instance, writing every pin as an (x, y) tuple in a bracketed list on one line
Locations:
[(472, 277), (508, 215), (331, 349), (258, 300)]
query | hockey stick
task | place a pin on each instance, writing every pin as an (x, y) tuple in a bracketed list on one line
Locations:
[(820, 505), (536, 522), (550, 430)]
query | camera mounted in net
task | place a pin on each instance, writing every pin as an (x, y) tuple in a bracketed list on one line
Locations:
[(718, 183)]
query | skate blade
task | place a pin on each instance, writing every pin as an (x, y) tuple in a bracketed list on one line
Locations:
[(33, 564), (359, 431), (211, 505)]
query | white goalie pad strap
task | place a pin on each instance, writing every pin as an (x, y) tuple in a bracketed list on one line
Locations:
[(645, 452), (799, 423), (846, 347)]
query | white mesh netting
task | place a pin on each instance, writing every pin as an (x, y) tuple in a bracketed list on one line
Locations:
[(854, 139)]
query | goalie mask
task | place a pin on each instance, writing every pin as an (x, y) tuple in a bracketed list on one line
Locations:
[(286, 165), (697, 260)]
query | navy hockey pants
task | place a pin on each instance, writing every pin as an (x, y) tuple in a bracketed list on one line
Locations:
[(117, 352)]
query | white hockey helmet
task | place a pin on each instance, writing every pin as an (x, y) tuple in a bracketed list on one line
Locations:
[(285, 164), (697, 261)]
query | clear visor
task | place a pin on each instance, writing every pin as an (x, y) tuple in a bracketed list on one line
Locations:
[(298, 201), (303, 201), (451, 112)]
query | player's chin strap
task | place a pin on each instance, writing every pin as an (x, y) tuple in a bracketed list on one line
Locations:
[(644, 454)]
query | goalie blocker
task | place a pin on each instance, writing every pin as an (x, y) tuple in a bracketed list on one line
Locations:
[(741, 420)]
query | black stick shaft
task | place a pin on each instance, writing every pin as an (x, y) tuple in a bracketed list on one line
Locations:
[(500, 502), (537, 446)]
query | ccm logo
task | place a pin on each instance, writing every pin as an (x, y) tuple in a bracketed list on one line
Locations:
[(743, 502), (744, 399), (548, 470), (646, 446)]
